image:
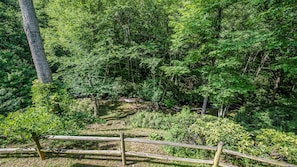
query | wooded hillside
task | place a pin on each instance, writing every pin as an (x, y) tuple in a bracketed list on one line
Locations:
[(228, 58)]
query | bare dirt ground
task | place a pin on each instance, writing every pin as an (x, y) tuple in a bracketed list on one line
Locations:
[(114, 125)]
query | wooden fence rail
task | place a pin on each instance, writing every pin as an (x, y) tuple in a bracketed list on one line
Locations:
[(123, 153)]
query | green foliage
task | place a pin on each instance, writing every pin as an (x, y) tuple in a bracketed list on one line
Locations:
[(20, 125), (150, 90), (191, 128), (52, 96), (50, 114), (81, 113), (211, 130), (282, 118), (146, 119), (276, 145), (16, 66), (156, 136), (179, 131), (82, 105), (170, 102), (177, 69), (55, 98), (78, 120)]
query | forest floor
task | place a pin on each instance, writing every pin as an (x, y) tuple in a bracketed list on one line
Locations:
[(115, 115)]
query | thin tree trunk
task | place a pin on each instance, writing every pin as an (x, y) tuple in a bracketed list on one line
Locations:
[(264, 59), (94, 98), (31, 28), (247, 64), (205, 101), (96, 105), (225, 110), (276, 85), (220, 111)]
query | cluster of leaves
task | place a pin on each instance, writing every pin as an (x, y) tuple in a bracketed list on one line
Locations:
[(55, 98), (146, 119), (16, 66), (49, 114), (21, 125), (275, 144), (191, 128), (282, 118)]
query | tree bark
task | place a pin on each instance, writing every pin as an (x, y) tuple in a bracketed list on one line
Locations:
[(94, 98), (204, 105), (31, 28), (276, 85), (96, 105)]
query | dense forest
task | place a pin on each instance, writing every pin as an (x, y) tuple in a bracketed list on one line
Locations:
[(228, 58)]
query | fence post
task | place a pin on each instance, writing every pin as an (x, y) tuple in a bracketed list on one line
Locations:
[(216, 159), (123, 149), (38, 146)]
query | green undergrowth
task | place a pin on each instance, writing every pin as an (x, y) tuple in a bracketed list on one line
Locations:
[(191, 128), (53, 112), (280, 118)]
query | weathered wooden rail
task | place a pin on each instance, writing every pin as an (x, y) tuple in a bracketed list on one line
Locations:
[(123, 153)]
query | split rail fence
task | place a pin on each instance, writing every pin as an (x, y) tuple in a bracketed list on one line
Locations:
[(123, 153)]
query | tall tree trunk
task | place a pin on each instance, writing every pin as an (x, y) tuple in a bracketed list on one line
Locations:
[(31, 28), (218, 26)]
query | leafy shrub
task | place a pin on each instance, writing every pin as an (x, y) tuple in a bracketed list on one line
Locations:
[(156, 136), (169, 100), (151, 91), (277, 145), (80, 119), (211, 130), (55, 99), (52, 96), (82, 105), (20, 126), (2, 141), (145, 119), (180, 131), (191, 128)]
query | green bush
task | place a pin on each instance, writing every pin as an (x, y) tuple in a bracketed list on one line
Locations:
[(52, 96), (145, 119), (50, 114), (156, 136), (191, 128), (179, 131), (211, 130), (82, 105), (21, 125), (55, 99), (80, 119), (277, 145), (150, 90)]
